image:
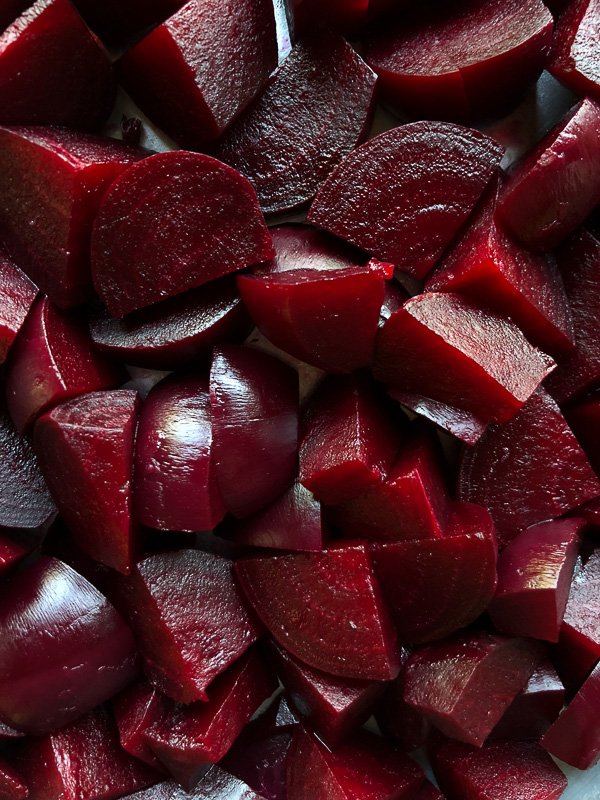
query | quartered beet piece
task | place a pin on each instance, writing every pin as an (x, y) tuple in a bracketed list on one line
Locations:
[(326, 609), (136, 709), (403, 724), (447, 348), (63, 648), (534, 576), (461, 424), (557, 185), (12, 785), (315, 110), (584, 420), (403, 195), (461, 61), (165, 227), (17, 294), (52, 70), (51, 183), (575, 51), (174, 483), (196, 94), (117, 23), (254, 406), (435, 586), (177, 332), (190, 619), (465, 684), (580, 630), (528, 470)]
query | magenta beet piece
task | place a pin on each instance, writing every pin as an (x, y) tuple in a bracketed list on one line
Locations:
[(12, 785), (584, 420), (315, 110), (17, 294), (435, 586), (534, 576), (165, 226), (174, 484), (580, 630), (403, 724), (326, 609), (558, 184), (189, 738), (575, 51), (464, 684), (196, 94), (442, 346), (117, 22), (462, 424), (136, 709), (63, 648), (403, 213), (254, 404), (190, 619), (177, 332), (534, 449)]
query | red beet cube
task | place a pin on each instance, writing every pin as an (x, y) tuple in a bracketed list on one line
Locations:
[(17, 296)]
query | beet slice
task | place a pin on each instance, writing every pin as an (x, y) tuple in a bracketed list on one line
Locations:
[(435, 586), (315, 110), (51, 183), (574, 55), (558, 184), (528, 470), (190, 619), (534, 576), (463, 62), (63, 648), (12, 785), (446, 348), (136, 709), (196, 94), (326, 609), (580, 630), (403, 214), (462, 424), (165, 226), (17, 294), (117, 23), (52, 71), (464, 684)]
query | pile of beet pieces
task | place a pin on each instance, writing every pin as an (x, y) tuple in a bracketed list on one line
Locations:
[(387, 502)]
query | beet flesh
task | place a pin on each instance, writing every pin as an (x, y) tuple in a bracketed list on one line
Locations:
[(136, 709), (461, 424), (18, 294), (574, 55), (580, 629)]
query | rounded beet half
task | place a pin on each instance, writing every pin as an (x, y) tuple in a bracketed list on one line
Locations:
[(575, 48), (166, 225), (403, 195), (17, 294), (64, 649)]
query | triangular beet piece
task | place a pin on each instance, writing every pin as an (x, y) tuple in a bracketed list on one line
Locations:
[(462, 424), (85, 450), (371, 203), (326, 609), (18, 294)]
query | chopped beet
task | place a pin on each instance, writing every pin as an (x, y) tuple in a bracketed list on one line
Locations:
[(584, 420), (403, 195), (315, 110), (196, 94), (135, 710), (575, 51), (165, 226), (17, 294), (63, 648), (217, 784), (117, 22), (12, 785), (403, 724), (580, 630), (326, 609), (462, 424)]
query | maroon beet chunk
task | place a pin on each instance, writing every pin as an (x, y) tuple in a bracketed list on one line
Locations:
[(177, 332), (254, 403), (117, 22), (463, 685), (17, 294), (403, 195), (136, 709), (326, 609), (63, 648), (404, 725), (461, 62), (442, 346), (196, 94), (584, 420), (462, 424), (558, 184), (575, 51), (165, 227), (12, 785), (188, 739), (534, 449), (435, 586), (52, 70), (315, 110), (184, 652), (534, 576), (580, 630), (351, 437)]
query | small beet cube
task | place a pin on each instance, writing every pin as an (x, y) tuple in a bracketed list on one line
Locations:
[(17, 296), (136, 709), (575, 50)]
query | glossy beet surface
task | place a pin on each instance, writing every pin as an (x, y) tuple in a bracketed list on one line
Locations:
[(217, 783), (373, 205), (574, 56), (136, 709), (18, 294), (61, 640), (462, 424), (580, 630)]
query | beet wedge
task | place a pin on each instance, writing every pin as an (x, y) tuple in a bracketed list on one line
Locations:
[(580, 629), (461, 424), (18, 294), (135, 710), (574, 56)]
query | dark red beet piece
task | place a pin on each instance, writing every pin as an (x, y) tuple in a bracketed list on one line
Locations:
[(52, 70), (404, 725), (461, 424), (316, 109), (12, 785), (17, 294), (12, 552), (135, 710), (575, 52), (63, 648), (558, 184), (534, 576), (51, 184), (534, 449), (117, 22), (465, 684), (196, 94), (372, 204), (177, 332), (584, 421), (326, 609), (580, 630), (165, 226), (190, 619)]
